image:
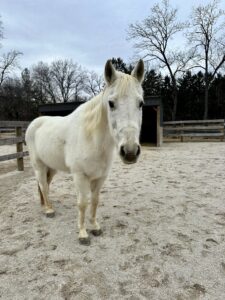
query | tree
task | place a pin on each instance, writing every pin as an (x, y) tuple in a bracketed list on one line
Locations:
[(8, 62), (94, 84), (167, 100), (13, 104), (26, 84), (216, 97), (207, 35), (80, 78), (121, 66), (152, 83), (68, 77), (62, 81), (28, 94), (11, 99), (190, 95), (44, 87), (153, 37)]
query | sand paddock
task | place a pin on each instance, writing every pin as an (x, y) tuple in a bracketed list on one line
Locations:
[(163, 223)]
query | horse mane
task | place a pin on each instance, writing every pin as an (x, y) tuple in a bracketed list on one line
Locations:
[(95, 113)]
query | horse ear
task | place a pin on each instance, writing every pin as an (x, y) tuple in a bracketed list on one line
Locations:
[(138, 71), (110, 72)]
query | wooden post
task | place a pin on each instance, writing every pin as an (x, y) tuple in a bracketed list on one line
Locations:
[(223, 131), (182, 137), (158, 128), (19, 148)]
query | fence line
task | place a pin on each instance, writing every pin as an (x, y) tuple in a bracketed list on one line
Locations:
[(193, 130), (18, 139)]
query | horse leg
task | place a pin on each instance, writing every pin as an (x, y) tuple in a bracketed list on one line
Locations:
[(43, 187), (50, 174), (41, 196), (95, 189), (83, 195)]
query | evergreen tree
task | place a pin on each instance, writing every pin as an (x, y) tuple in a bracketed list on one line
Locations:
[(191, 96), (120, 65), (152, 84)]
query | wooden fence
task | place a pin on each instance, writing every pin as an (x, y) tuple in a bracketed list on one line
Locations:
[(17, 128), (201, 130)]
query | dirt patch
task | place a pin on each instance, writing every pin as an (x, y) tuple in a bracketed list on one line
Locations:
[(163, 231)]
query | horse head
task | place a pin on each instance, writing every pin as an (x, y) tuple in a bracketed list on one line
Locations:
[(123, 98)]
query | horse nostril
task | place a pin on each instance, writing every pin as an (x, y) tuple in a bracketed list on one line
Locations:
[(122, 151), (138, 151)]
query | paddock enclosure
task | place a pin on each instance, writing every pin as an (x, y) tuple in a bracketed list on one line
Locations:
[(163, 222)]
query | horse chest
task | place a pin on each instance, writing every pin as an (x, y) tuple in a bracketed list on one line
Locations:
[(94, 165)]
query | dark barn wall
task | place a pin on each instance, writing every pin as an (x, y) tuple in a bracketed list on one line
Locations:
[(62, 113), (58, 109)]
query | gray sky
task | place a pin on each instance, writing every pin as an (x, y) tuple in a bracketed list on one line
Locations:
[(87, 31)]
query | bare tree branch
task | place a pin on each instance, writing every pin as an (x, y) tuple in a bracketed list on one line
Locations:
[(152, 38), (8, 62), (44, 84), (207, 34), (94, 84), (62, 81)]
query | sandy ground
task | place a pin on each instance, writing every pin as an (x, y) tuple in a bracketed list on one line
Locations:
[(163, 223)]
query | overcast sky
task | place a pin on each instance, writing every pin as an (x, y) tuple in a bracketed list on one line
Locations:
[(87, 31)]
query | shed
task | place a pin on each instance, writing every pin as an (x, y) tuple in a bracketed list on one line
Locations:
[(151, 132), (152, 122)]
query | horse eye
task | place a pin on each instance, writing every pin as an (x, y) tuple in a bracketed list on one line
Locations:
[(141, 104), (111, 104)]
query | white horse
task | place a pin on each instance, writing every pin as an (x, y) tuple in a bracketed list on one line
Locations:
[(83, 142)]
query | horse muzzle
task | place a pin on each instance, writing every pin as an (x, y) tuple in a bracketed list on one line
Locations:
[(129, 154)]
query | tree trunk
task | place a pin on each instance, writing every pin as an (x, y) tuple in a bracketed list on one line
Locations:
[(174, 97), (206, 102)]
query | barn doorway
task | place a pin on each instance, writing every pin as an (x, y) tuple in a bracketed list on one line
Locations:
[(151, 131), (149, 125)]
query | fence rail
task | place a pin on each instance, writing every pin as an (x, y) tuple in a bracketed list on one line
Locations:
[(194, 130), (18, 139)]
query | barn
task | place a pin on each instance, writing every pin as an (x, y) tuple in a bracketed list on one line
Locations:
[(151, 132)]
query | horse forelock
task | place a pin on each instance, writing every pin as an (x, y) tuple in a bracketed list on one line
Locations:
[(124, 83)]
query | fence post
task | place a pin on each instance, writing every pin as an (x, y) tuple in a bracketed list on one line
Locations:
[(182, 137), (223, 138), (19, 148)]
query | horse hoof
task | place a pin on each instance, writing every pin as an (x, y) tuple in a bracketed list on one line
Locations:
[(50, 213), (85, 241), (96, 232)]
